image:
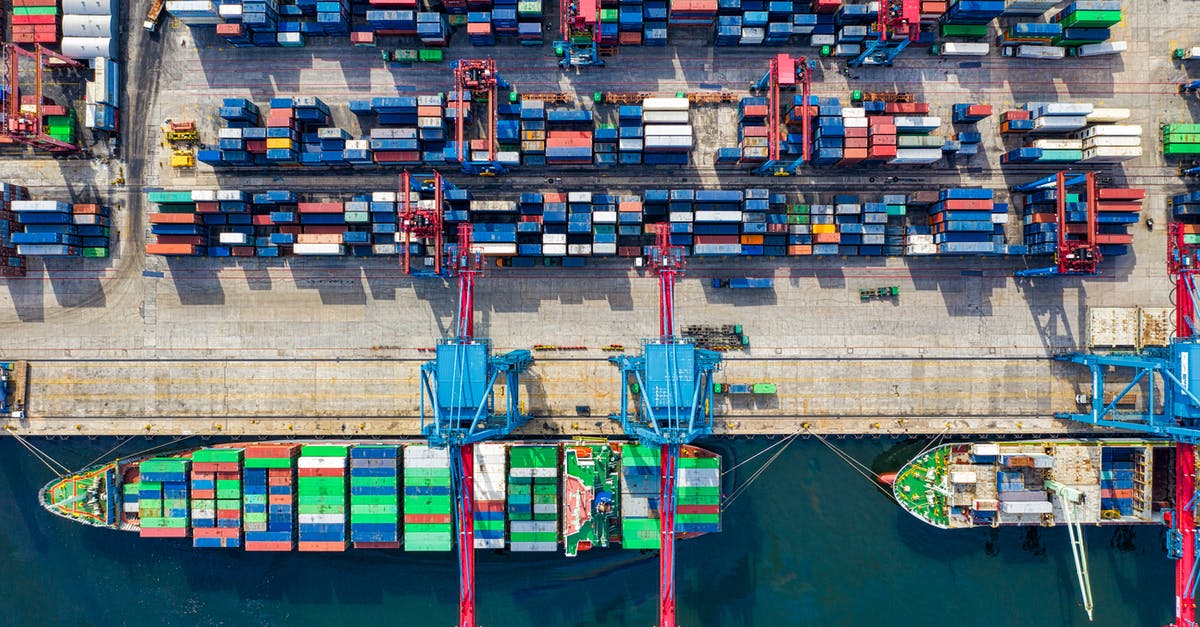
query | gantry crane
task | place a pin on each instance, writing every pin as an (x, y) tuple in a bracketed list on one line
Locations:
[(24, 126), (422, 222), (898, 25), (1174, 415), (580, 24), (672, 383), (475, 80), (458, 388), (1075, 253), (784, 73)]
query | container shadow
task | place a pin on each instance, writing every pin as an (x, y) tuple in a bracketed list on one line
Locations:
[(335, 286), (196, 280), (74, 286), (28, 293)]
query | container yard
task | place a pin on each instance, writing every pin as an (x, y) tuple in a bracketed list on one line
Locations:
[(253, 235)]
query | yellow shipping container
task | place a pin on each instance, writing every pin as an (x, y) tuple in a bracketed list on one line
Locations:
[(824, 228), (279, 142)]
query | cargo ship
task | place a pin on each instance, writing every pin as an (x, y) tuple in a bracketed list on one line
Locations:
[(1110, 481), (390, 494)]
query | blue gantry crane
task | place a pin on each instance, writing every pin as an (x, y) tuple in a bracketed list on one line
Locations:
[(897, 25), (1172, 410), (671, 382), (1075, 253), (458, 406)]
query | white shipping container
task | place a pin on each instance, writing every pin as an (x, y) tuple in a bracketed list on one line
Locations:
[(718, 216), (1111, 130), (318, 249), (1063, 108), (916, 156), (911, 121), (698, 478), (920, 239), (1111, 154), (488, 543), (666, 142), (534, 526), (962, 477), (1108, 115), (1058, 144), (1109, 141), (229, 133), (999, 218), (494, 205), (634, 507), (321, 462), (554, 250), (321, 519), (359, 144), (854, 122), (604, 249), (665, 117), (582, 197), (847, 50), (985, 449), (89, 114), (604, 217), (537, 472), (1026, 507), (854, 112), (379, 196), (231, 195), (204, 195), (496, 249), (965, 49), (1102, 48), (508, 157), (290, 39), (1059, 123), (40, 205), (823, 40), (231, 12), (662, 130), (383, 249), (1041, 52), (554, 238), (665, 104), (630, 145), (682, 216), (234, 239), (920, 249), (579, 250)]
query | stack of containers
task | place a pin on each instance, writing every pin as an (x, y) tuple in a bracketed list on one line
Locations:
[(799, 229), (962, 221), (88, 26), (433, 29), (973, 12), (604, 225), (51, 228), (629, 226), (163, 497), (1028, 7), (640, 487), (427, 508), (103, 95), (605, 145), (629, 23), (667, 131), (579, 224), (716, 223), (1106, 143), (490, 489), (629, 134), (11, 262), (479, 28), (568, 137), (681, 215), (529, 25), (1089, 14), (1181, 140), (752, 132), (35, 21), (967, 113), (217, 497), (195, 12), (1117, 208), (692, 12), (374, 496), (533, 498), (698, 495), (829, 132), (1117, 467), (321, 494), (268, 498), (654, 26), (533, 132), (1049, 117)]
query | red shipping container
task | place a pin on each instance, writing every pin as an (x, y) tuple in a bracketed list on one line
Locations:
[(826, 238), (754, 131), (256, 145), (261, 220), (279, 499), (716, 239), (29, 20), (967, 204), (856, 132), (856, 154), (376, 545), (270, 451), (320, 207), (174, 218), (697, 509), (215, 532), (934, 9), (755, 111), (876, 120), (208, 207), (427, 519), (629, 251), (170, 249), (855, 142), (881, 152), (826, 6), (167, 532), (321, 472), (883, 129), (204, 494), (569, 135), (229, 513), (1120, 194), (907, 108), (1110, 205), (979, 110), (242, 251), (489, 506), (554, 197), (268, 546), (324, 229), (291, 229), (229, 30), (1041, 218), (1018, 114), (321, 546), (883, 140), (194, 240), (362, 37)]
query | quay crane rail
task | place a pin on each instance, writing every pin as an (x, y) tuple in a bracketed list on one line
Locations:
[(1075, 253), (476, 79), (672, 381), (23, 126), (898, 25), (459, 387), (1179, 418), (784, 73)]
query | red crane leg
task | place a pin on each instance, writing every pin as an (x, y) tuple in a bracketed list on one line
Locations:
[(465, 506), (666, 553)]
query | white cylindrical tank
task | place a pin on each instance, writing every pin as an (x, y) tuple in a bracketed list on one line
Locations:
[(91, 7), (89, 47), (96, 26)]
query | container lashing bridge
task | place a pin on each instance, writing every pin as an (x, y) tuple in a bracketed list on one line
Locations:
[(1176, 415), (25, 126), (785, 73), (898, 25), (672, 383), (422, 222), (477, 80), (580, 32), (458, 389), (1076, 253)]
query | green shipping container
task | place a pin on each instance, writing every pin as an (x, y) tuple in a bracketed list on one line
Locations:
[(964, 30), (1171, 150), (213, 455), (263, 462), (170, 197), (164, 523), (533, 457), (640, 533), (1091, 19), (430, 55), (638, 455), (519, 536), (426, 528), (1180, 128), (373, 518), (323, 450)]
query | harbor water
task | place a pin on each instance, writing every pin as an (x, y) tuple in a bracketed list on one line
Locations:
[(810, 542)]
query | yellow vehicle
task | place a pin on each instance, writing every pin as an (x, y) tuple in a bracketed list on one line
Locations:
[(183, 159)]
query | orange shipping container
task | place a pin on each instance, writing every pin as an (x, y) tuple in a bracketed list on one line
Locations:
[(826, 238), (799, 249)]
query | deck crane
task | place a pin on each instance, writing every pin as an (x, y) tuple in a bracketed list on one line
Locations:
[(580, 29), (476, 79), (25, 126), (422, 221), (785, 73), (672, 382), (1070, 500), (1076, 253), (1179, 418), (898, 25), (458, 389)]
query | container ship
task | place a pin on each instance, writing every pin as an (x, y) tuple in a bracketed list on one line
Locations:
[(1108, 481), (335, 495)]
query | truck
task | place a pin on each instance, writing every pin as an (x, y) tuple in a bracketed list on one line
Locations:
[(153, 16), (13, 383), (744, 283)]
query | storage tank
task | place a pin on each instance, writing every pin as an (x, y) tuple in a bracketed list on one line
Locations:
[(95, 26), (89, 47), (91, 7)]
